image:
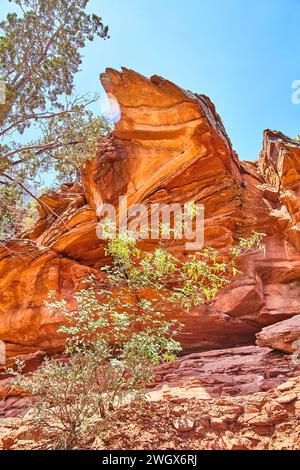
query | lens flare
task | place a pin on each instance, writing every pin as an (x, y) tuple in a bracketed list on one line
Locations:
[(110, 108)]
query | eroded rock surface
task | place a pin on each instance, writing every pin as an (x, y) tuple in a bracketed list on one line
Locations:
[(212, 374), (169, 145), (283, 336), (262, 421)]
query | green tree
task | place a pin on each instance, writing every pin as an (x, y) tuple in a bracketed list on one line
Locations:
[(40, 54)]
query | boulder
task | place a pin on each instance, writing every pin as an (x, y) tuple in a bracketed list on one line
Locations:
[(283, 336)]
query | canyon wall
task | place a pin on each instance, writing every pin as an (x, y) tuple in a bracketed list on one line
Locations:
[(169, 145)]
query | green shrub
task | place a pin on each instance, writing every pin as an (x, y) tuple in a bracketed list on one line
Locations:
[(114, 338)]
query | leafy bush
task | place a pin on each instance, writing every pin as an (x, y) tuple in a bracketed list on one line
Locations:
[(115, 338)]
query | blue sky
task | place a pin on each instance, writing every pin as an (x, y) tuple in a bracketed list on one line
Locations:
[(243, 54)]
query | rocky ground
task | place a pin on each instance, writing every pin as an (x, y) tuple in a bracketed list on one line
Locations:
[(266, 420), (235, 399)]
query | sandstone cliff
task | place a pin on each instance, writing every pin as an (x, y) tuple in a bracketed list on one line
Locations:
[(169, 146)]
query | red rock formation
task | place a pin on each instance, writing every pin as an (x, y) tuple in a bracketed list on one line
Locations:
[(283, 336), (28, 272), (280, 163), (169, 146), (211, 374)]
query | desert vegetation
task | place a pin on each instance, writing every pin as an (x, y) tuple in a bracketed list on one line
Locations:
[(115, 340)]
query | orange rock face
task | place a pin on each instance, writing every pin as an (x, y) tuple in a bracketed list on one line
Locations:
[(28, 273), (169, 146)]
